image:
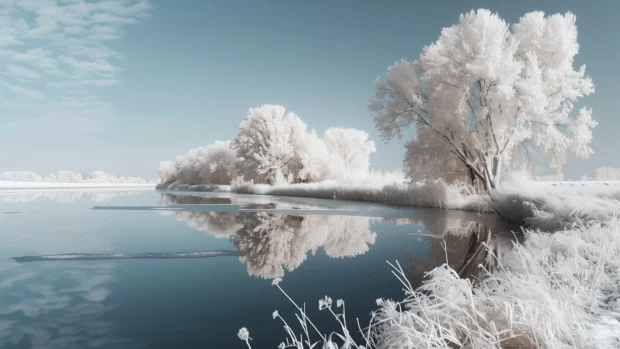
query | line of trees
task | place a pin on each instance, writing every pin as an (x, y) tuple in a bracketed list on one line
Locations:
[(484, 98), (273, 146)]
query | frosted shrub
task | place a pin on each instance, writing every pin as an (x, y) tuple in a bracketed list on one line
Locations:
[(553, 291), (213, 164)]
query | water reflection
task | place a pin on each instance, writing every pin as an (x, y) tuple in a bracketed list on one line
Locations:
[(91, 304), (58, 307), (62, 195), (468, 247), (268, 244)]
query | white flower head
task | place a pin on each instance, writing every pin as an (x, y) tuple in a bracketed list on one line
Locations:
[(276, 281), (339, 303), (325, 303), (275, 314), (244, 334), (281, 346), (379, 302)]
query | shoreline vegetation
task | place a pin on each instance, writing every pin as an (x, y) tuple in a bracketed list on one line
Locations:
[(547, 206), (558, 288)]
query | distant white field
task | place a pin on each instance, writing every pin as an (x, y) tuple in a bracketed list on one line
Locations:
[(50, 185)]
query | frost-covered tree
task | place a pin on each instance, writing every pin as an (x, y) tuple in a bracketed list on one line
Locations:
[(490, 93), (275, 146), (166, 171), (427, 155), (213, 164), (349, 149)]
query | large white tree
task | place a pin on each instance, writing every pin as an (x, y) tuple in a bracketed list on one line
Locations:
[(270, 142), (349, 150), (490, 93), (428, 155), (276, 146)]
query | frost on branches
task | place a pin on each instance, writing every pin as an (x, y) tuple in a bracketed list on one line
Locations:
[(485, 96), (274, 147), (213, 164)]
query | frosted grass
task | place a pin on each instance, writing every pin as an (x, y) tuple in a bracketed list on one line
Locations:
[(557, 290)]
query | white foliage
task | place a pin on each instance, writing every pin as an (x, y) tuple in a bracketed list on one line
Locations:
[(166, 171), (68, 177), (489, 92), (427, 158), (271, 144), (213, 164), (274, 147), (349, 150), (553, 291)]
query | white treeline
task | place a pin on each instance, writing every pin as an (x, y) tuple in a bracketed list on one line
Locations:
[(274, 147), (68, 177), (486, 96), (607, 174)]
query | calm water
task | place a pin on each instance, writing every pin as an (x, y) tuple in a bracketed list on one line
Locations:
[(114, 269)]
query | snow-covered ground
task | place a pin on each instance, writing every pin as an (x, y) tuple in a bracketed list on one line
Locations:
[(8, 185), (69, 180), (437, 194), (70, 177)]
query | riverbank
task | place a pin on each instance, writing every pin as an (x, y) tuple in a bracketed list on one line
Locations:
[(539, 205), (557, 289)]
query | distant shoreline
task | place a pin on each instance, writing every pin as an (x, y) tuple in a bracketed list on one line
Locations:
[(18, 185)]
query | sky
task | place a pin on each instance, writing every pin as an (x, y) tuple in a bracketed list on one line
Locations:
[(120, 85)]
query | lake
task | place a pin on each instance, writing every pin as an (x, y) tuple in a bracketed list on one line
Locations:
[(105, 269)]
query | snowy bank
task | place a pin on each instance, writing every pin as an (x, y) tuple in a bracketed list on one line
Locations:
[(432, 194), (551, 206), (544, 205), (553, 291), (556, 290)]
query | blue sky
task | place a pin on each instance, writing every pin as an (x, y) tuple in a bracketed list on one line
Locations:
[(120, 85)]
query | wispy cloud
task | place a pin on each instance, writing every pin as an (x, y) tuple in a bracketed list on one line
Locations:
[(53, 54), (21, 72), (22, 91)]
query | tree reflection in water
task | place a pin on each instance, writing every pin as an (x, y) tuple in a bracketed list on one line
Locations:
[(462, 245), (269, 244)]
